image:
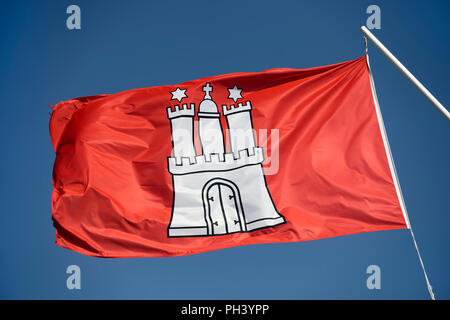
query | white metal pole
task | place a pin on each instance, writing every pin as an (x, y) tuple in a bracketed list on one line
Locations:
[(405, 71)]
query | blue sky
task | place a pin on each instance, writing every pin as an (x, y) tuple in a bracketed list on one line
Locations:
[(132, 44)]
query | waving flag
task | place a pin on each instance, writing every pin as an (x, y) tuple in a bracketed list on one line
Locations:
[(282, 155)]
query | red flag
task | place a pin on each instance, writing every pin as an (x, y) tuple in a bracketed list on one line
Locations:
[(282, 155)]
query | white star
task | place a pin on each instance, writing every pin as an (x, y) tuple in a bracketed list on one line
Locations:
[(235, 93), (178, 94)]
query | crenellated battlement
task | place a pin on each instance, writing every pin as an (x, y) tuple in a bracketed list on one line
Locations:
[(215, 161), (230, 109), (186, 110)]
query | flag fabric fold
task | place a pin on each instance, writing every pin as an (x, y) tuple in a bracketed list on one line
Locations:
[(282, 155)]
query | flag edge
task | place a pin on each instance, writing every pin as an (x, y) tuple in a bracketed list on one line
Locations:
[(387, 148)]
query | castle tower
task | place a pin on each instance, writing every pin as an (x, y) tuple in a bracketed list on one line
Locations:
[(240, 126), (182, 126), (210, 130)]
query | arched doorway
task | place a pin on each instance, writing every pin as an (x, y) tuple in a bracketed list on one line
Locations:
[(223, 207)]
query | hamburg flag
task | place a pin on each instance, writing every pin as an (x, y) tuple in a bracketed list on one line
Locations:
[(282, 155)]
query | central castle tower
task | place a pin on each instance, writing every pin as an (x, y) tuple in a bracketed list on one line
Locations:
[(217, 193)]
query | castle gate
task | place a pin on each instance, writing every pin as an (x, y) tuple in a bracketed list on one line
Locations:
[(223, 207)]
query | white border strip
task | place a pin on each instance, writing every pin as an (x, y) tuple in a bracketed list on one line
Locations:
[(395, 177), (387, 148)]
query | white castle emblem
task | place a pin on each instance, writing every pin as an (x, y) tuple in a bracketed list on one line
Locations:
[(217, 193)]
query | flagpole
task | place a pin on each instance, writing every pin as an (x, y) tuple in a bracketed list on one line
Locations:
[(406, 72)]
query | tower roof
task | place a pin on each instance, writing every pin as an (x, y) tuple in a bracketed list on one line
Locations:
[(208, 105)]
